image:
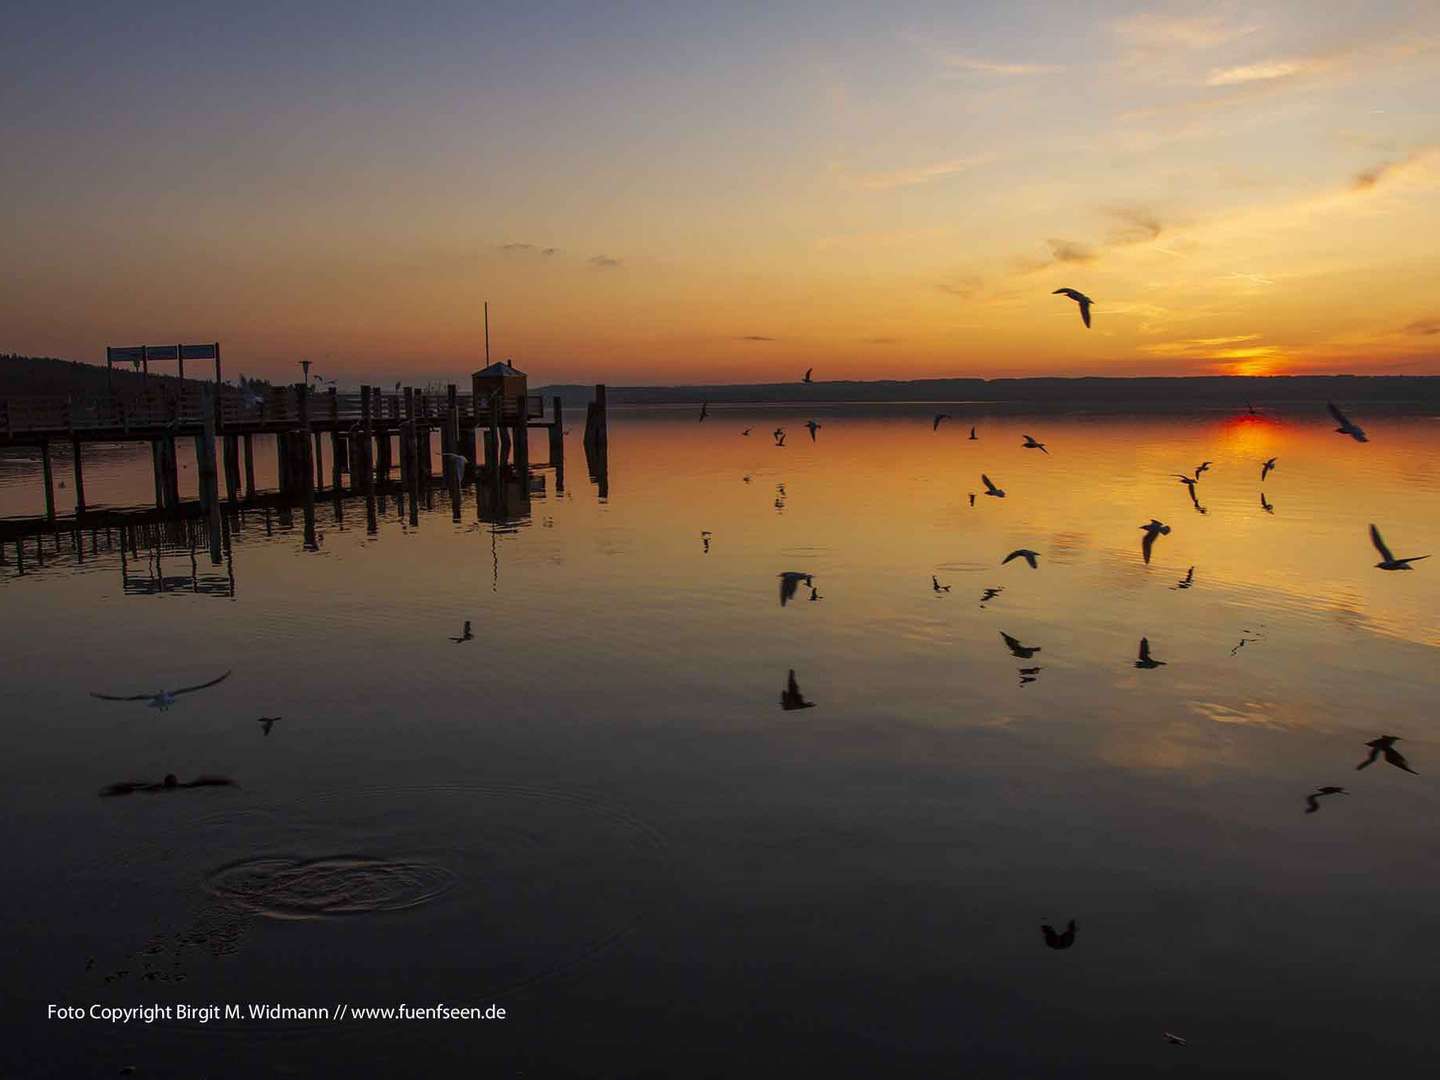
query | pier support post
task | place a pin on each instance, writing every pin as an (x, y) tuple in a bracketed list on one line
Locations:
[(319, 459), (557, 431), (249, 467), (230, 451), (79, 470), (49, 480), (597, 442), (170, 472)]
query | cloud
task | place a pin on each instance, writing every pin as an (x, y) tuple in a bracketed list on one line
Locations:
[(755, 337), (879, 341), (964, 287), (922, 174), (1070, 251), (1264, 71), (550, 251), (517, 247), (604, 262), (1136, 224), (1157, 30), (990, 67), (1392, 170), (1425, 327), (1199, 346)]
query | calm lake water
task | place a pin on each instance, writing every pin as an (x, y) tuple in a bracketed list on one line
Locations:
[(597, 815)]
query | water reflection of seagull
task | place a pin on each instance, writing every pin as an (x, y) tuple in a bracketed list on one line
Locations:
[(1346, 427), (938, 417), (1028, 674), (465, 635), (1023, 652), (991, 489), (1266, 467), (815, 593), (1266, 504), (1023, 553), (808, 373), (163, 699), (267, 722), (1385, 744), (791, 698), (1175, 1040), (745, 432), (935, 584), (1387, 560), (704, 411), (972, 498), (705, 539), (1187, 581), (130, 787), (1152, 530), (790, 581), (779, 434), (990, 594), (814, 427), (1312, 802), (1080, 298), (1146, 660), (1058, 940), (972, 432), (1031, 444)]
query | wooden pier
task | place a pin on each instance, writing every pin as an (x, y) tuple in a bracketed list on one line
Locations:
[(371, 434)]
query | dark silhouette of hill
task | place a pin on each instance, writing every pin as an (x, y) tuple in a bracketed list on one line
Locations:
[(47, 376)]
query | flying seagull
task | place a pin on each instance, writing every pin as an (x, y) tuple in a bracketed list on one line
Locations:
[(1059, 940), (1023, 652), (991, 489), (705, 539), (1080, 298), (267, 722), (1387, 560), (704, 411), (808, 373), (164, 698), (779, 435), (814, 427), (1204, 466), (1188, 481), (1265, 468), (1152, 530), (1346, 427), (1385, 744), (1031, 444), (790, 581), (1023, 553), (465, 635), (745, 432), (935, 584), (1312, 802), (1146, 660), (1175, 1040), (791, 698), (938, 417)]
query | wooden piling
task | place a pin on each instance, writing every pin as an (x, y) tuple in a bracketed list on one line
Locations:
[(79, 476), (49, 480), (557, 431), (230, 452), (249, 467)]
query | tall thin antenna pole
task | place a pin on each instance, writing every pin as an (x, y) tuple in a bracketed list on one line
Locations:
[(487, 333)]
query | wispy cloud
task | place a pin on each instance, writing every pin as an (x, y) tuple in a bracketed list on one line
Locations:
[(1266, 71), (879, 341), (1157, 30), (920, 174), (1071, 251), (604, 262), (1424, 327), (755, 337), (1135, 224), (520, 249), (960, 64), (964, 287), (1387, 171)]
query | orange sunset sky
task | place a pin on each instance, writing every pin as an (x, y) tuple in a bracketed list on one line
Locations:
[(728, 193)]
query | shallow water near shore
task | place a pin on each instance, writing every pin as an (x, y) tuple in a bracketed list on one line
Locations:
[(596, 813)]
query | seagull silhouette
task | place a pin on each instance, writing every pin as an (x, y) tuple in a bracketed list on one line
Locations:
[(1023, 553), (162, 699), (791, 698), (808, 372), (1266, 505), (465, 635), (938, 417), (990, 594), (704, 411), (1188, 580), (972, 432), (1312, 802), (1174, 1040), (1059, 940), (1152, 530), (1031, 444), (790, 581), (1346, 426), (1188, 481), (745, 432), (1204, 466), (267, 722), (1146, 660), (972, 498), (779, 436), (705, 539), (1080, 298), (991, 489), (1266, 467), (1023, 652), (1387, 560), (1385, 744), (935, 584), (814, 427)]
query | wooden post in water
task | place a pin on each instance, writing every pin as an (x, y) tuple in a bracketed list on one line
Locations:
[(79, 470), (209, 482), (170, 467), (319, 459), (557, 431), (597, 441), (49, 480), (249, 467)]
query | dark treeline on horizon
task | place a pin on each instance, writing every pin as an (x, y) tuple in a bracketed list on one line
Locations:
[(48, 376)]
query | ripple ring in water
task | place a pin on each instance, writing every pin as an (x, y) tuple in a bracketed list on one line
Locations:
[(336, 885)]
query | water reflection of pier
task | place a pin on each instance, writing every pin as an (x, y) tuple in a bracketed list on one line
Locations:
[(188, 547)]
